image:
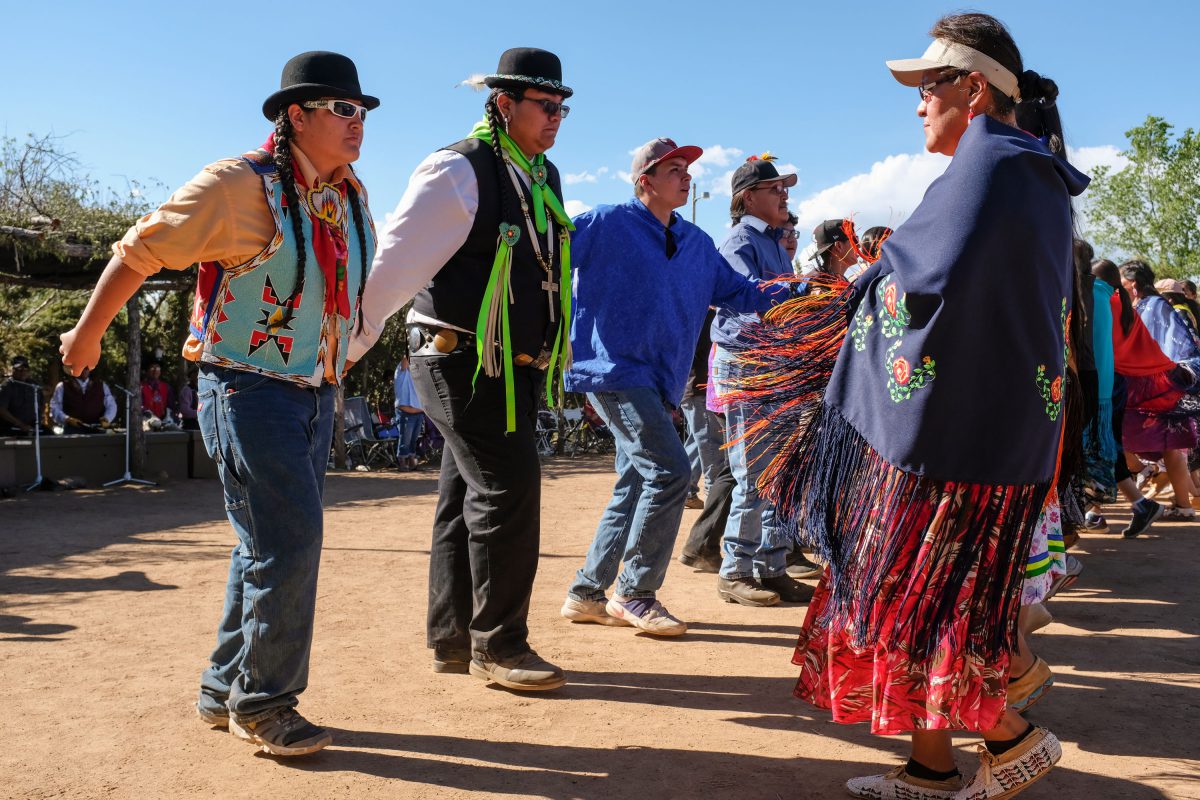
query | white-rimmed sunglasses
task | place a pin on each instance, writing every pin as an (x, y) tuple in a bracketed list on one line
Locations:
[(339, 108)]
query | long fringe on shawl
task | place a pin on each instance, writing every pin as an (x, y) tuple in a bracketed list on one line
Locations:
[(865, 518)]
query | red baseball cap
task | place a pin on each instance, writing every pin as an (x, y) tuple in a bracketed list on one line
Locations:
[(656, 150)]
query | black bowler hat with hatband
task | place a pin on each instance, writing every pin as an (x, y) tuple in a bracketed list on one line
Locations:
[(313, 75), (528, 68)]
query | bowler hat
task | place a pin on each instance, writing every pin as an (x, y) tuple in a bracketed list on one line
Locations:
[(528, 68), (313, 75)]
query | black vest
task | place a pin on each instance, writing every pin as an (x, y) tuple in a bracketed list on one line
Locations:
[(84, 406), (456, 291)]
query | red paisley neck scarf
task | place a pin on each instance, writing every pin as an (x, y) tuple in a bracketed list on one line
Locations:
[(325, 204)]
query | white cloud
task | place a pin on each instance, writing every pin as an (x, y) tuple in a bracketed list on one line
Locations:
[(714, 156), (575, 207), (884, 195), (1086, 159), (623, 176), (584, 177)]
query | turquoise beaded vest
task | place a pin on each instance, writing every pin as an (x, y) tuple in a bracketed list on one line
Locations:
[(241, 313)]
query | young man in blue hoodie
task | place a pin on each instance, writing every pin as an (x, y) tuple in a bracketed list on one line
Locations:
[(643, 283)]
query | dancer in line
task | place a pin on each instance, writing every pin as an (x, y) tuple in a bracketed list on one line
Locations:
[(917, 444), (481, 241), (284, 240)]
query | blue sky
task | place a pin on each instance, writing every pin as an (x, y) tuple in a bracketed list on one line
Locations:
[(157, 91)]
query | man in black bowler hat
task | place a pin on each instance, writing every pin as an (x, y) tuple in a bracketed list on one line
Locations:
[(284, 241), (479, 240)]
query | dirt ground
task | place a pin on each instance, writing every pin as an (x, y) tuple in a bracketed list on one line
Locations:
[(109, 599)]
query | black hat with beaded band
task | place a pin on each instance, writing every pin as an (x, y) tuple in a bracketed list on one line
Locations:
[(314, 75), (528, 68)]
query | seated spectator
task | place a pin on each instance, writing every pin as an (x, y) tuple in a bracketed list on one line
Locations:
[(157, 397), (17, 405), (187, 403), (82, 404)]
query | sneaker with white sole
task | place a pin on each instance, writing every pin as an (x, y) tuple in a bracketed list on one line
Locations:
[(1143, 518), (1178, 514), (647, 614), (1007, 774), (284, 733), (590, 611), (899, 785)]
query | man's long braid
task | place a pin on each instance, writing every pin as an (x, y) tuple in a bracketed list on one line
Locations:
[(287, 179), (492, 113), (352, 199)]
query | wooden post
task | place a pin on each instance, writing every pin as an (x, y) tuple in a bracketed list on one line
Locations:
[(133, 382), (339, 429)]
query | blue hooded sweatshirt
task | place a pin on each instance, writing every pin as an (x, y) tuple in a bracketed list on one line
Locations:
[(637, 313)]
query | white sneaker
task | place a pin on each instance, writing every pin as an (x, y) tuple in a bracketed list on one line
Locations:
[(655, 619), (589, 611), (899, 785), (1179, 514), (1005, 775)]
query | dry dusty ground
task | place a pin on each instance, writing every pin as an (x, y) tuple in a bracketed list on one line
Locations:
[(108, 600)]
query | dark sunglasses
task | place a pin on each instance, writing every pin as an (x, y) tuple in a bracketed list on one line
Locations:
[(551, 108)]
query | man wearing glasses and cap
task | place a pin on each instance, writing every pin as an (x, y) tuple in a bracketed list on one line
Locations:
[(640, 269), (754, 567), (478, 243), (284, 240)]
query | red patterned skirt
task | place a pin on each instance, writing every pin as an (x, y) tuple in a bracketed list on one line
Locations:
[(954, 686)]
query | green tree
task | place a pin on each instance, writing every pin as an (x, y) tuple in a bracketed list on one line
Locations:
[(1150, 208)]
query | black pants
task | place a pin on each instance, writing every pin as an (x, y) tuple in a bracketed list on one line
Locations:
[(705, 536), (487, 527)]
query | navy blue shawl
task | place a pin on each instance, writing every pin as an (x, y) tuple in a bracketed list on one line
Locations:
[(954, 365)]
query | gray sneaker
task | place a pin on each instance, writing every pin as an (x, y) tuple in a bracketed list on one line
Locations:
[(284, 733), (209, 718), (590, 611), (527, 672)]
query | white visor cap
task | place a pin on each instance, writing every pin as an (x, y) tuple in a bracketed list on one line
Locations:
[(943, 53)]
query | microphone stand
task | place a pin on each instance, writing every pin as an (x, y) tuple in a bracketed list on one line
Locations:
[(37, 433), (128, 476)]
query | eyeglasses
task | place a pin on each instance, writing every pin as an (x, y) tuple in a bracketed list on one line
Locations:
[(339, 108), (775, 188), (551, 108), (789, 233), (925, 90)]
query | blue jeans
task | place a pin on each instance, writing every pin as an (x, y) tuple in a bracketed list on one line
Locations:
[(706, 436), (271, 441), (408, 428), (642, 519), (753, 543)]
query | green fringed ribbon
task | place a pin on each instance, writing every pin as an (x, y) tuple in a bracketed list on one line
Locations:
[(498, 281)]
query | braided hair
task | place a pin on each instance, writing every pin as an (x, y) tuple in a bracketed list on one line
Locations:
[(492, 113), (352, 199), (1038, 110), (287, 179), (284, 134)]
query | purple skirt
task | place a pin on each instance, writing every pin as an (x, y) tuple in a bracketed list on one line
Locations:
[(1150, 434)]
